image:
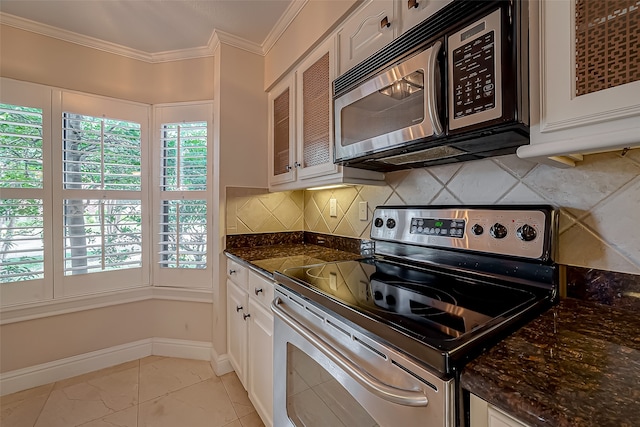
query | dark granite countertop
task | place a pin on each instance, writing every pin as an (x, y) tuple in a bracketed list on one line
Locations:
[(267, 259), (578, 364)]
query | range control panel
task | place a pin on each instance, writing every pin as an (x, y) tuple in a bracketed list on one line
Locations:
[(520, 232)]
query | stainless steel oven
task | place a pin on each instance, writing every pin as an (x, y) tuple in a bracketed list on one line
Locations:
[(328, 374), (381, 341)]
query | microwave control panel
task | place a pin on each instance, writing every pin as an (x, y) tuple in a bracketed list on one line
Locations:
[(474, 73)]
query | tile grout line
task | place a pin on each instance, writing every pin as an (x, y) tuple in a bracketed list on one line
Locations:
[(44, 404)]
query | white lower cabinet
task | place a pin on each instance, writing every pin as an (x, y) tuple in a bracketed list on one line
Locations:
[(484, 414), (260, 361), (237, 301), (250, 336)]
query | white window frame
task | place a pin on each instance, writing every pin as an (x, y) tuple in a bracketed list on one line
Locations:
[(169, 114), (97, 106), (35, 96)]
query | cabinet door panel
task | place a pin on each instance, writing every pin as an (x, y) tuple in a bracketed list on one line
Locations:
[(315, 112), (237, 273), (413, 12), (366, 32), (237, 300), (281, 133), (565, 103), (261, 361)]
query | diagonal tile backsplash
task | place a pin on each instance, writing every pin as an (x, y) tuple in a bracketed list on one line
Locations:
[(599, 202)]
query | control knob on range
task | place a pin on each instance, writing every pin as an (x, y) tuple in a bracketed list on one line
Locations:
[(477, 229), (526, 233), (391, 223), (378, 222), (498, 231)]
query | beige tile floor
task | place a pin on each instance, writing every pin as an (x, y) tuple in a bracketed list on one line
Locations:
[(150, 392)]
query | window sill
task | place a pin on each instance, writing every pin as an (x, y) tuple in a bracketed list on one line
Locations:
[(31, 311)]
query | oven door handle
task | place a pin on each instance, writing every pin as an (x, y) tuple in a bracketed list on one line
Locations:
[(375, 386)]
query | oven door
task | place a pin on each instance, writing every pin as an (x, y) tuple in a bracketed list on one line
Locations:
[(392, 108), (327, 374)]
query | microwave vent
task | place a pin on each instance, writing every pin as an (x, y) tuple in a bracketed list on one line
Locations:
[(434, 153)]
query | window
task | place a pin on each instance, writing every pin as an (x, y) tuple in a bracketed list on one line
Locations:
[(103, 157), (103, 204), (87, 205), (21, 220), (25, 268), (183, 175)]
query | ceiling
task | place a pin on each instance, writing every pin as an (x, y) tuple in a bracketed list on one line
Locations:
[(157, 29)]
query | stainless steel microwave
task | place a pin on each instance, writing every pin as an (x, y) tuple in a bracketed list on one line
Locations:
[(452, 89)]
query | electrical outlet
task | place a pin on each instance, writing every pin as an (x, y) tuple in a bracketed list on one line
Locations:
[(333, 281), (333, 207), (363, 211)]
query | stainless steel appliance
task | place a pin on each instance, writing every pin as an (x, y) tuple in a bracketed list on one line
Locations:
[(382, 340), (454, 88)]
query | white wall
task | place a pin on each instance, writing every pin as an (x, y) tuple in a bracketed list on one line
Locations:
[(40, 59), (36, 58), (240, 139), (316, 19)]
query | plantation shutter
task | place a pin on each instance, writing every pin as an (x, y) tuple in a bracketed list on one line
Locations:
[(102, 208), (183, 222), (21, 219)]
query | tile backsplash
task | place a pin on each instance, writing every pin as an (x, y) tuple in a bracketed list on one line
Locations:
[(599, 203)]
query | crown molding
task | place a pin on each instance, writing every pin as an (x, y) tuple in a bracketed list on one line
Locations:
[(236, 41), (283, 23), (216, 38)]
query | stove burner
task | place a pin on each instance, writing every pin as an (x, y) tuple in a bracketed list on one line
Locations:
[(418, 306)]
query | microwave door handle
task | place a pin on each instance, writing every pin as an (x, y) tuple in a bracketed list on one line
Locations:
[(432, 103), (372, 384)]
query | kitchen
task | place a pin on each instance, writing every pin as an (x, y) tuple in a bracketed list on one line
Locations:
[(598, 188)]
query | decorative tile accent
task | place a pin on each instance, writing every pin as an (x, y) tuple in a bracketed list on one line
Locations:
[(581, 188), (481, 182), (602, 187), (418, 188)]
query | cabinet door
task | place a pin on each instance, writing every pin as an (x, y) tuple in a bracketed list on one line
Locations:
[(589, 78), (261, 361), (499, 419), (237, 300), (413, 12), (315, 112), (282, 133), (367, 31)]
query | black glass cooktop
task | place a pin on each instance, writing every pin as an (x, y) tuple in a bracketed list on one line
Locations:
[(440, 309)]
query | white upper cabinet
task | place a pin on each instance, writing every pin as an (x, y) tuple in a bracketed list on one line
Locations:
[(301, 128), (413, 12), (282, 160), (368, 30), (315, 112), (586, 79)]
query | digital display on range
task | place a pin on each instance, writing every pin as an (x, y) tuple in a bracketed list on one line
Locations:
[(438, 227)]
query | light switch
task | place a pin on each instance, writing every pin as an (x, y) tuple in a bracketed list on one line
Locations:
[(333, 207), (363, 211)]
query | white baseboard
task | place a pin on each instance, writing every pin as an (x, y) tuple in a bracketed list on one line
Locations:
[(197, 350), (45, 373), (220, 363)]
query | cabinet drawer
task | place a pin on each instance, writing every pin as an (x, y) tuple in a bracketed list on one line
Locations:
[(237, 273), (260, 289)]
